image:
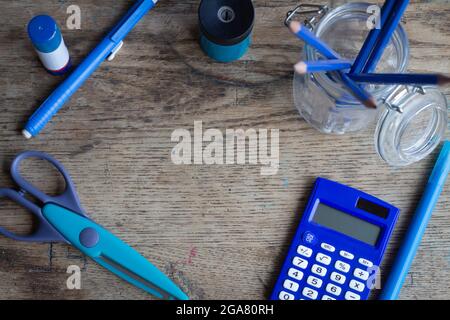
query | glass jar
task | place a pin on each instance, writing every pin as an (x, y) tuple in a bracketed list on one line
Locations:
[(410, 121)]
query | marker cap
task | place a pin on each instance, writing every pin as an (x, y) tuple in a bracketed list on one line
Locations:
[(44, 33)]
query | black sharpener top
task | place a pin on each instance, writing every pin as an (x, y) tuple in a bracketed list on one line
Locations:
[(226, 22)]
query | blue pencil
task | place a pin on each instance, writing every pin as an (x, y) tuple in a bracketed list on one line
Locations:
[(385, 35), (372, 38), (307, 36), (388, 78), (310, 38), (414, 234), (361, 94), (304, 67)]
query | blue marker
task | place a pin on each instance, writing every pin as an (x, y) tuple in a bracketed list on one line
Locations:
[(49, 44), (422, 216), (106, 49)]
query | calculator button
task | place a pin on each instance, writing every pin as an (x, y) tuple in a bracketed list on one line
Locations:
[(325, 297), (296, 274), (352, 296), (365, 262), (328, 247), (310, 238), (323, 258), (361, 274), (337, 277), (299, 262), (346, 255), (310, 293), (331, 288), (304, 251), (285, 296), (315, 282), (342, 266), (290, 285), (319, 270), (357, 286)]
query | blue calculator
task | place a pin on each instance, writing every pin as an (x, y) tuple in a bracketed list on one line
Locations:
[(338, 246)]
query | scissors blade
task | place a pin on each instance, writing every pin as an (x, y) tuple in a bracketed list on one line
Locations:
[(111, 252)]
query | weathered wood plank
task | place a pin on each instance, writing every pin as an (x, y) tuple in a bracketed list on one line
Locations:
[(219, 231)]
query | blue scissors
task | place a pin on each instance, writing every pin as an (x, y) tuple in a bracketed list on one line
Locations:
[(62, 219)]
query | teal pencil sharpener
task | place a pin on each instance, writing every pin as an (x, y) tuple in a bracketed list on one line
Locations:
[(226, 28)]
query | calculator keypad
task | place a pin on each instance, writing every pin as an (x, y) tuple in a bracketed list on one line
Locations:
[(320, 272)]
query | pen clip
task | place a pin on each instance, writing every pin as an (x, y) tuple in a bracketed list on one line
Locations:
[(127, 23)]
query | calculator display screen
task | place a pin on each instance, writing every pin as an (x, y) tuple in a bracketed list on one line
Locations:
[(347, 224)]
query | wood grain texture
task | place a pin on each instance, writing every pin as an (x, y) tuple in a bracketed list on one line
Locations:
[(219, 231)]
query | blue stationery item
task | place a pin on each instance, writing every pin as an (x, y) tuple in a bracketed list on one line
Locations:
[(385, 35), (416, 230), (310, 38), (322, 66), (372, 39), (48, 42), (62, 219), (106, 49), (338, 245), (400, 78), (361, 94), (226, 27)]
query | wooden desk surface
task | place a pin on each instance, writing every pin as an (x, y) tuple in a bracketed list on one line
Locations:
[(219, 231)]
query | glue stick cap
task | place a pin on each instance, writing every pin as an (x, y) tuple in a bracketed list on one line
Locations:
[(44, 33)]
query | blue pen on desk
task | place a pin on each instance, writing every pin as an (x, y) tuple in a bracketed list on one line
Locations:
[(106, 49), (411, 241)]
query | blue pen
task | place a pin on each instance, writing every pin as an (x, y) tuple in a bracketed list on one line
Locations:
[(106, 49), (418, 225)]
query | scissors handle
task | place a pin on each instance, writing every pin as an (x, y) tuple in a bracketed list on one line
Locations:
[(44, 231), (68, 198)]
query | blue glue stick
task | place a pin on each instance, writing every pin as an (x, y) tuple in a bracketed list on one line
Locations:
[(49, 44)]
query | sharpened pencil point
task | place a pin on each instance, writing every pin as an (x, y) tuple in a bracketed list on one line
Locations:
[(301, 67), (443, 80), (371, 103), (295, 26)]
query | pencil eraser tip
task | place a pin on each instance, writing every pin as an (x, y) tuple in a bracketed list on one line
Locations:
[(26, 134), (295, 26), (301, 67)]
